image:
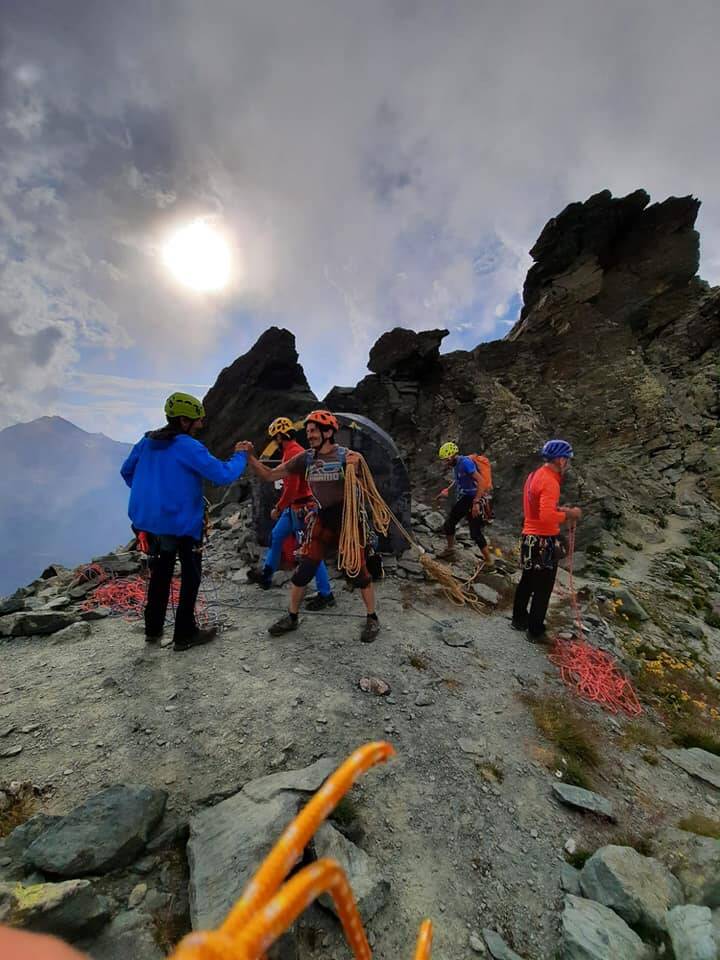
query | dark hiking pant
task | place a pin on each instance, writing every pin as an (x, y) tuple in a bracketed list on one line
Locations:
[(463, 508), (539, 569), (162, 565)]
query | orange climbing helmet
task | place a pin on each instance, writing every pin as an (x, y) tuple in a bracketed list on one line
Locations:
[(324, 419), (280, 425)]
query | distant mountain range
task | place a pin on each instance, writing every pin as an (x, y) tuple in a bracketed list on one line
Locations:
[(62, 499)]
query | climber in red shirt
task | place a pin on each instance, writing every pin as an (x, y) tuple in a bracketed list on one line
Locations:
[(540, 548), (289, 516)]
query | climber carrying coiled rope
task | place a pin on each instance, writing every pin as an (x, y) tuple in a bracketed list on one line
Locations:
[(339, 519)]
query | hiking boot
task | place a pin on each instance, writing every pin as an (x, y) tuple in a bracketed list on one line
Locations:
[(153, 637), (319, 602), (370, 630), (197, 639), (447, 554), (285, 624), (519, 626), (537, 637), (263, 577)]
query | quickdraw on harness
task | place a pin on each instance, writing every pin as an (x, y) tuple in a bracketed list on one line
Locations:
[(591, 673), (270, 903)]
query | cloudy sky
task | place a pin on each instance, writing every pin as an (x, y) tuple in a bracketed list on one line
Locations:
[(369, 163)]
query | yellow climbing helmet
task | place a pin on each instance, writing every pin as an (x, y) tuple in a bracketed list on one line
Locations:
[(448, 450), (280, 425), (184, 405)]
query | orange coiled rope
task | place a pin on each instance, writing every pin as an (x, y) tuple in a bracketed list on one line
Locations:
[(593, 674)]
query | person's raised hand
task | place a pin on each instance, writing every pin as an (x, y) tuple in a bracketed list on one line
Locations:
[(353, 457), (274, 513), (573, 513), (244, 446)]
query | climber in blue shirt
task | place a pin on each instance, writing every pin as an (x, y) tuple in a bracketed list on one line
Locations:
[(165, 472)]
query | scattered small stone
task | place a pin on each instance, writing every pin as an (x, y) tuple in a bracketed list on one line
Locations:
[(137, 895), (476, 945), (424, 700), (6, 731), (376, 685), (11, 751), (30, 728)]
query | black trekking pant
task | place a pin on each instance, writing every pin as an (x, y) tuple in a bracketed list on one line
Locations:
[(463, 508), (162, 565), (539, 569)]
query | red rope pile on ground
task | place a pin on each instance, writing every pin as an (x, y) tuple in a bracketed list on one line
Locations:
[(593, 674), (126, 597)]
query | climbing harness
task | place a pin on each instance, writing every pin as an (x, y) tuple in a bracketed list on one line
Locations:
[(270, 903), (591, 673)]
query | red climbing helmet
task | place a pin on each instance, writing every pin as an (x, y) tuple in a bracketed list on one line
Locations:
[(324, 419)]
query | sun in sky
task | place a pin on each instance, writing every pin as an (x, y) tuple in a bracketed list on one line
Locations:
[(198, 256)]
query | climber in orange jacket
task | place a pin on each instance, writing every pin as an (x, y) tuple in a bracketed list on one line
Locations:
[(540, 548)]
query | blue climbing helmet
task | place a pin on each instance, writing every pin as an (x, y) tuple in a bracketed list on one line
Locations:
[(556, 448)]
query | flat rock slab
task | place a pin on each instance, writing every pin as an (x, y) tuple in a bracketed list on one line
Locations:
[(499, 950), (130, 935), (583, 799), (694, 860), (639, 889), (307, 780), (30, 624), (106, 832), (476, 748), (70, 909), (691, 933), (369, 887), (452, 636), (591, 931), (485, 593), (226, 846), (699, 763)]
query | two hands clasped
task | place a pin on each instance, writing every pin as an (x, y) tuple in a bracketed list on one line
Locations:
[(247, 446)]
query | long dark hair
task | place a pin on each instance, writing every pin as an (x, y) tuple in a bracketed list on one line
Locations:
[(172, 429)]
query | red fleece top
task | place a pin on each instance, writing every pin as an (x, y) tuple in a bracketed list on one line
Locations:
[(295, 486), (540, 503)]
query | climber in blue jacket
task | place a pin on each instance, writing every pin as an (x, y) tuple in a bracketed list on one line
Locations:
[(165, 472)]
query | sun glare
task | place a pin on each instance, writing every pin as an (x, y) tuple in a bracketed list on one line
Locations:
[(198, 257)]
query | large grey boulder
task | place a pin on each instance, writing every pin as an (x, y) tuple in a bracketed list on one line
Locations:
[(699, 763), (69, 910), (583, 799), (226, 846), (639, 889), (591, 931), (369, 887), (307, 780), (106, 832), (34, 623), (694, 860), (15, 844), (130, 935), (691, 933)]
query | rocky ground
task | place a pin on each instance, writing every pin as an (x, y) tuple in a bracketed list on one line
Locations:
[(463, 826)]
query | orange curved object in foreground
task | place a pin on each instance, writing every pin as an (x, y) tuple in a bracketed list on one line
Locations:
[(268, 905)]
